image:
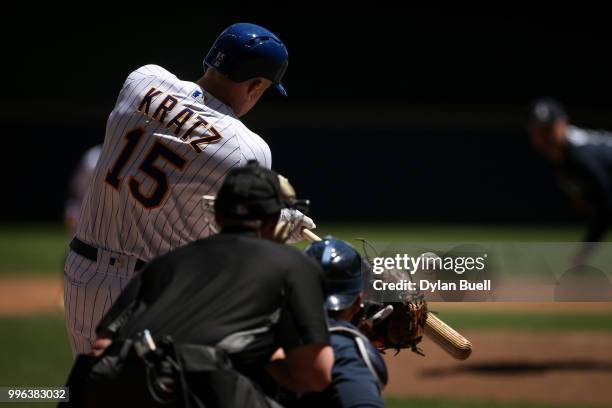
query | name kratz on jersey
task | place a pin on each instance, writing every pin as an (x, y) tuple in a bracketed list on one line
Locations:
[(185, 122)]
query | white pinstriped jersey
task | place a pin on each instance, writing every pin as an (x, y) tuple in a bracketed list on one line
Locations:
[(167, 143)]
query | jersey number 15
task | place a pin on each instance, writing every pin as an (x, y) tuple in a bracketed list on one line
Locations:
[(147, 166)]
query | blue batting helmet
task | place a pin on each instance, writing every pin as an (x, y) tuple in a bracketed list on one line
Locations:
[(244, 51), (342, 266)]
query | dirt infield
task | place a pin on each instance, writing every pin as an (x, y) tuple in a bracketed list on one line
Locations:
[(44, 295), (518, 307), (509, 366), (21, 296), (505, 366)]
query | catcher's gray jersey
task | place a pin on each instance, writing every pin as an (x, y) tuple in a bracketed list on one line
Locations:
[(167, 143)]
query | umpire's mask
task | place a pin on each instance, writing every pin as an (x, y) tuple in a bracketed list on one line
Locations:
[(252, 193)]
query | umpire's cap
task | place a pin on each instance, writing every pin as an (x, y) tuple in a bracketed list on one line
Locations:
[(342, 266), (244, 51), (250, 192), (543, 112)]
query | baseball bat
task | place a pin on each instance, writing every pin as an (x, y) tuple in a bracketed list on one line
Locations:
[(447, 338)]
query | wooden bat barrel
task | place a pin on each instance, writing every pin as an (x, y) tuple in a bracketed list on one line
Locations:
[(447, 338)]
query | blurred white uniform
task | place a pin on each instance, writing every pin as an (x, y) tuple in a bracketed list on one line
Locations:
[(79, 184), (168, 142)]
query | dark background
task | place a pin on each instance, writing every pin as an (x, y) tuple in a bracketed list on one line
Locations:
[(397, 114)]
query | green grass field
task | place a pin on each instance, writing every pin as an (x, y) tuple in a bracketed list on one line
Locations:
[(34, 350), (32, 250), (35, 249)]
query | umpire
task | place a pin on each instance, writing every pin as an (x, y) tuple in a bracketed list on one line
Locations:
[(199, 325), (582, 159)]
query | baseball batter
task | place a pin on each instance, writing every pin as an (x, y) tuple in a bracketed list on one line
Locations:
[(168, 142)]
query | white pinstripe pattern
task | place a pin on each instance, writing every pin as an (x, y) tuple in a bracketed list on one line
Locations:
[(118, 224)]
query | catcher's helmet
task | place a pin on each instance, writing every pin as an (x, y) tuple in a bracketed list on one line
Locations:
[(244, 51), (342, 266)]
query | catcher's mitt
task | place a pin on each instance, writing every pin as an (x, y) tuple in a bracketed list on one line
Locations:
[(396, 325)]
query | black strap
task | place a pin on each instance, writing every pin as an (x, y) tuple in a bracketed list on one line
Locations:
[(360, 341), (347, 331), (91, 252), (83, 249)]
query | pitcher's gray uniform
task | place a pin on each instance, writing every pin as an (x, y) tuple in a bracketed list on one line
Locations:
[(168, 142)]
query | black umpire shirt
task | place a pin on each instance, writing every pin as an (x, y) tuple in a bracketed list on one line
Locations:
[(586, 174), (243, 293)]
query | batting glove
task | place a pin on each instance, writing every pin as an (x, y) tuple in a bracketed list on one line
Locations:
[(298, 222)]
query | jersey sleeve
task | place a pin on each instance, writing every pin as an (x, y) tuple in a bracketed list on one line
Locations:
[(221, 158), (146, 73), (253, 147), (303, 320), (261, 151)]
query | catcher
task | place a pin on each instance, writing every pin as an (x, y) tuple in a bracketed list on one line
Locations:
[(359, 373), (359, 334)]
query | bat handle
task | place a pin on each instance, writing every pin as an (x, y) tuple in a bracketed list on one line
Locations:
[(310, 236)]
